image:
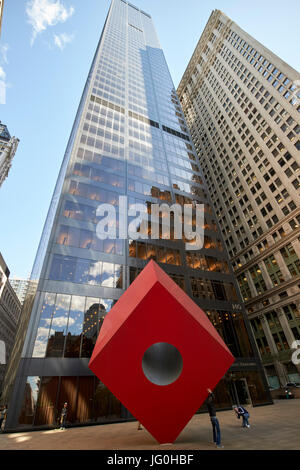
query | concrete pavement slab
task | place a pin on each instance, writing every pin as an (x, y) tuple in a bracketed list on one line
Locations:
[(273, 427)]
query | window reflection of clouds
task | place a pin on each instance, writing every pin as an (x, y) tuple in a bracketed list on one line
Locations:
[(95, 272), (45, 321), (70, 315), (55, 343), (33, 383), (83, 271), (41, 342), (76, 315), (108, 275), (61, 322), (62, 302), (107, 303)]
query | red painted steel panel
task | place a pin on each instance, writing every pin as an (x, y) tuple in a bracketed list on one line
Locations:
[(154, 309)]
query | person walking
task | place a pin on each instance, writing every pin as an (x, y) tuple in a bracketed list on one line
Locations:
[(63, 416), (242, 412), (3, 413), (213, 418)]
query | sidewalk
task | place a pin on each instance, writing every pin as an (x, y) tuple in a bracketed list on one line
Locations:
[(273, 427)]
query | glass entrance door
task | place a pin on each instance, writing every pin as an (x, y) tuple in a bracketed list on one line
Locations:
[(242, 392)]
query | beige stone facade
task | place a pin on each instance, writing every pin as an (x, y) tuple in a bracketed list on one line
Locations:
[(8, 148), (10, 311), (23, 287), (242, 104)]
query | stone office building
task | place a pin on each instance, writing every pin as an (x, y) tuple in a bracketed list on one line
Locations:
[(8, 148), (10, 311), (242, 105)]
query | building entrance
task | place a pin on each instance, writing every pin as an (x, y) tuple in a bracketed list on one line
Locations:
[(241, 392)]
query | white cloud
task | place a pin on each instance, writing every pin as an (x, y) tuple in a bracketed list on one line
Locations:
[(44, 13), (3, 51), (2, 74), (39, 349), (60, 40), (42, 332), (61, 322), (109, 282), (77, 304), (58, 322)]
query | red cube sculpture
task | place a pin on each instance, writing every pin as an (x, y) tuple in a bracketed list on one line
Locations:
[(157, 352)]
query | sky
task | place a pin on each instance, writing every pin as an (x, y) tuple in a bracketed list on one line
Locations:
[(46, 49)]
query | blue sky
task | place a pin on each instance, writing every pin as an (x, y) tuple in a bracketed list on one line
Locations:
[(45, 55)]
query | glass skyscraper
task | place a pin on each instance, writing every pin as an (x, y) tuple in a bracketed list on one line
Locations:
[(129, 139)]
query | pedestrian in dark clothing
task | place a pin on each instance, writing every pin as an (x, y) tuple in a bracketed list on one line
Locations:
[(213, 418), (63, 416), (242, 412), (3, 413)]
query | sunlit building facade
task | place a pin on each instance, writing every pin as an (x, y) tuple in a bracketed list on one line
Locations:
[(10, 311), (129, 139), (8, 148), (242, 105), (22, 287)]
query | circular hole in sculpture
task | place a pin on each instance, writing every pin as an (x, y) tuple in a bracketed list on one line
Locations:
[(162, 363)]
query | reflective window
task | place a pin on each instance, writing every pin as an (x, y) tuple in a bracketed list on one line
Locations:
[(26, 416), (62, 268), (66, 323), (56, 341), (47, 310), (108, 278), (88, 401), (94, 314), (91, 326), (86, 239), (160, 254), (75, 323), (84, 271)]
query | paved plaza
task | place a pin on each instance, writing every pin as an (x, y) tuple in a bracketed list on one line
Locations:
[(273, 427)]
